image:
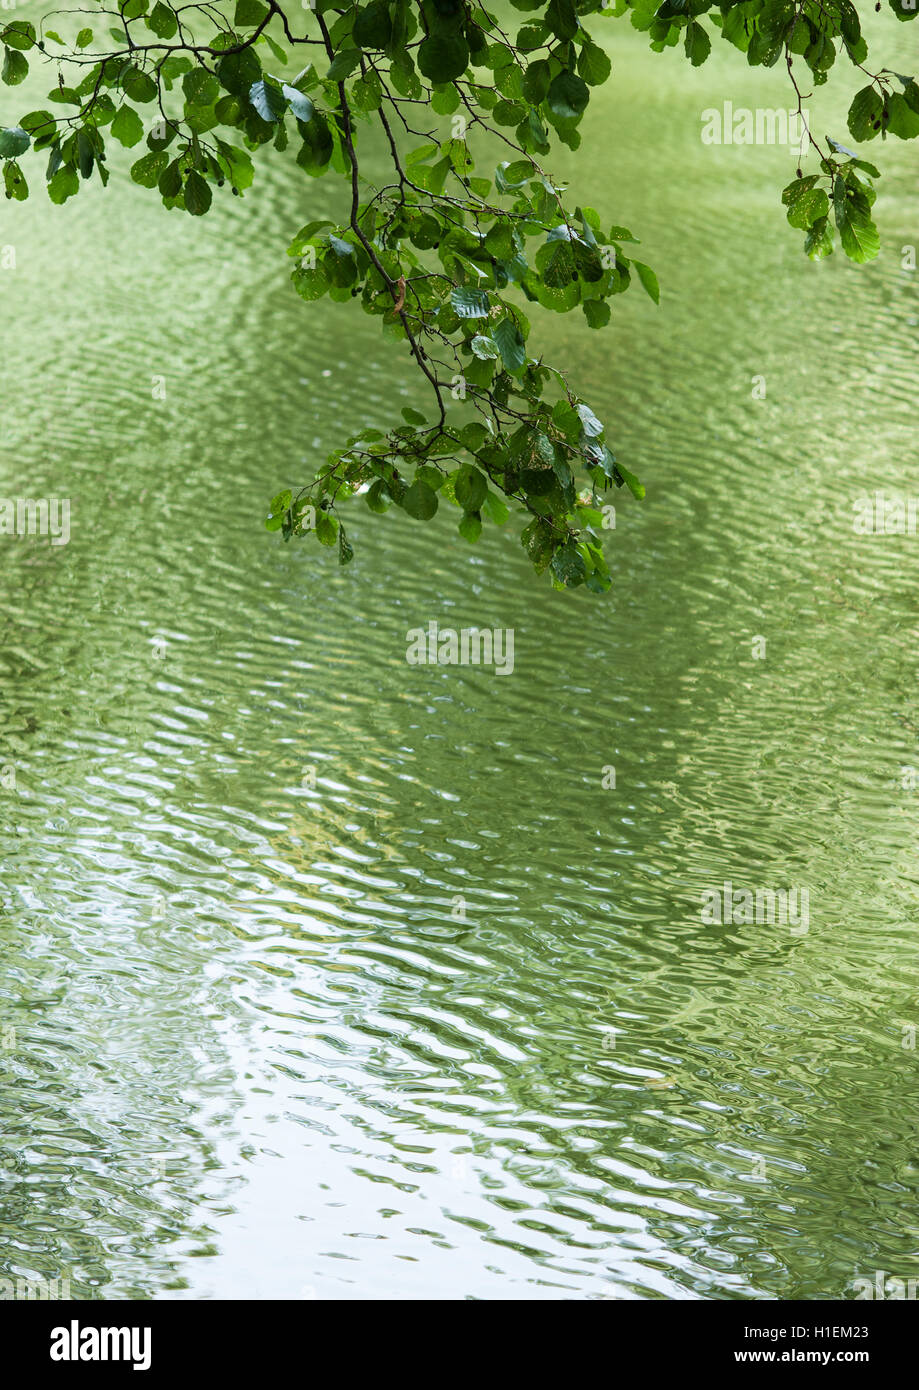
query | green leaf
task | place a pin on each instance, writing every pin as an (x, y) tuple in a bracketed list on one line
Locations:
[(197, 194), (300, 104), (568, 565), (317, 147), (420, 500), (162, 20), (127, 126), (864, 118), (470, 527), (442, 57), (470, 304), (510, 177), (326, 528), (147, 170), (556, 260), (372, 25), (902, 119), (588, 261), (470, 488), (445, 100), (819, 240), (636, 488), (648, 280), (343, 64), (15, 67), (806, 203), (474, 435), (857, 232), (562, 18), (63, 185), (496, 509), (13, 141), (41, 125), (537, 540), (484, 348), (268, 101), (85, 152), (14, 181), (911, 91), (568, 96), (238, 164), (84, 38), (238, 71), (509, 342), (249, 14), (200, 87), (377, 498), (55, 159), (536, 80), (697, 44), (19, 34), (593, 64), (138, 86), (597, 312), (65, 96), (170, 180), (589, 423)]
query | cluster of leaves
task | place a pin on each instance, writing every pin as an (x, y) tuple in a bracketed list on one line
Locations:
[(444, 251), (816, 32), (877, 109)]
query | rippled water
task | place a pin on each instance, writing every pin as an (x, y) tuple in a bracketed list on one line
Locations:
[(249, 1048)]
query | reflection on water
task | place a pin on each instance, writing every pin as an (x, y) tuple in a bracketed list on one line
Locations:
[(326, 975)]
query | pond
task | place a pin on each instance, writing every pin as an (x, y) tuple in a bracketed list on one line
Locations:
[(326, 974)]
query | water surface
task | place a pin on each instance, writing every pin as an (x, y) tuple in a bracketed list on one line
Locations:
[(256, 1053)]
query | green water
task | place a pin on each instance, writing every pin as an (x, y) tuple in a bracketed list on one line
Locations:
[(249, 1050)]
